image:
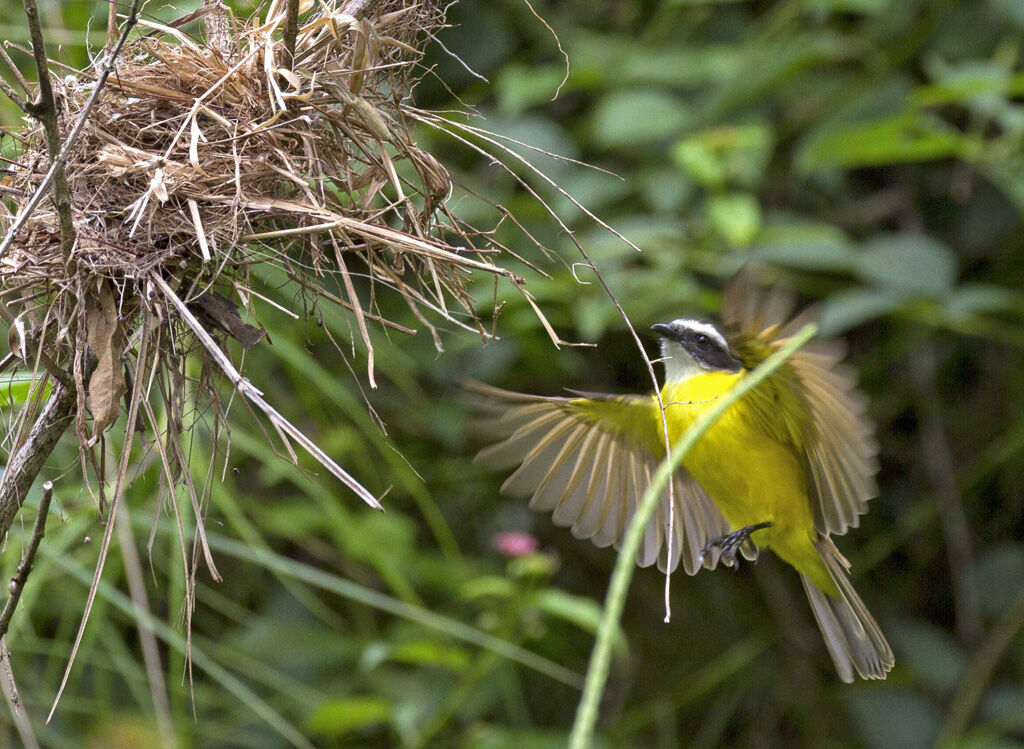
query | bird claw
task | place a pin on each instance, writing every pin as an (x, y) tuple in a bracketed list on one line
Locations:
[(731, 543)]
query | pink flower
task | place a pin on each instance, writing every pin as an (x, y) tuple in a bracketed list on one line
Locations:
[(514, 543)]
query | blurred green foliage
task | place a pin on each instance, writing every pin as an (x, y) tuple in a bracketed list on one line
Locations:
[(870, 149)]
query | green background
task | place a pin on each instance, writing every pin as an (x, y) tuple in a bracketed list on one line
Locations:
[(870, 149)]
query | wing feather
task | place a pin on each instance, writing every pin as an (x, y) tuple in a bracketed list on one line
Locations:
[(697, 513), (589, 461), (615, 507), (836, 438), (574, 498), (538, 461), (589, 516), (555, 485), (514, 450), (601, 529)]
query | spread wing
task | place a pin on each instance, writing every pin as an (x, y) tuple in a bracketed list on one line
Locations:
[(825, 414), (588, 461)]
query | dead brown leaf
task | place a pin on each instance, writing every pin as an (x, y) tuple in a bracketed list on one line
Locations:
[(106, 386)]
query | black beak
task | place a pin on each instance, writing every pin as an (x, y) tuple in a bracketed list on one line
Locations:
[(663, 328)]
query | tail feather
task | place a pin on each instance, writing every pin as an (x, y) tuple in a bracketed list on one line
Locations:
[(852, 636)]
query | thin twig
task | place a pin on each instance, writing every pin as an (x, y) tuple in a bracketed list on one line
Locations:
[(44, 109), (600, 658), (111, 24), (15, 71), (17, 584), (23, 467), (57, 162), (979, 672), (23, 104), (10, 689), (119, 486), (247, 389), (39, 354), (938, 463)]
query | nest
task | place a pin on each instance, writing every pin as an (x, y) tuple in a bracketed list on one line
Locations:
[(204, 165), (204, 160)]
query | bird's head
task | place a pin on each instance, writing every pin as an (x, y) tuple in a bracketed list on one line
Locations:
[(692, 347)]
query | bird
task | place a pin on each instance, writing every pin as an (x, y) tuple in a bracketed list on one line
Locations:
[(789, 465)]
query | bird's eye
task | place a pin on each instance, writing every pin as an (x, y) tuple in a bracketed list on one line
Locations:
[(702, 340)]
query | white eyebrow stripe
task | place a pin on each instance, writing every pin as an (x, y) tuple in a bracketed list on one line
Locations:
[(699, 326)]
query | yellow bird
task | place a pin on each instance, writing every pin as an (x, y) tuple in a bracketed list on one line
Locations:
[(792, 462)]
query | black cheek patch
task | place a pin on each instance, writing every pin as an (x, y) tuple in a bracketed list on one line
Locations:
[(712, 355), (721, 360)]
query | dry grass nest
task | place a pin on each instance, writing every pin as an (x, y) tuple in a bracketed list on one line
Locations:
[(203, 161)]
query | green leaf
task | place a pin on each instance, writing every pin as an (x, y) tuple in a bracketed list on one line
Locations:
[(347, 714), (982, 85), (431, 653), (414, 653), (637, 118), (537, 566), (15, 391), (982, 299), (489, 586), (381, 537), (766, 66), (733, 155), (848, 309), (810, 246), (735, 216), (680, 67), (583, 612), (909, 136), (700, 163), (664, 189), (592, 315), (911, 264)]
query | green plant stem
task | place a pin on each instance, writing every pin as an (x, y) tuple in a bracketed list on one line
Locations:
[(615, 600)]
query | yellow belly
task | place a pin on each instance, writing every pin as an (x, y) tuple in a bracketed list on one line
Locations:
[(751, 477)]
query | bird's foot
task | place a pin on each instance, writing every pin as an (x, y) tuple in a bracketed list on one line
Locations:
[(732, 543)]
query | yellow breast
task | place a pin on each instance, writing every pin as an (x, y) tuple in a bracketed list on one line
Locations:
[(751, 477)]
